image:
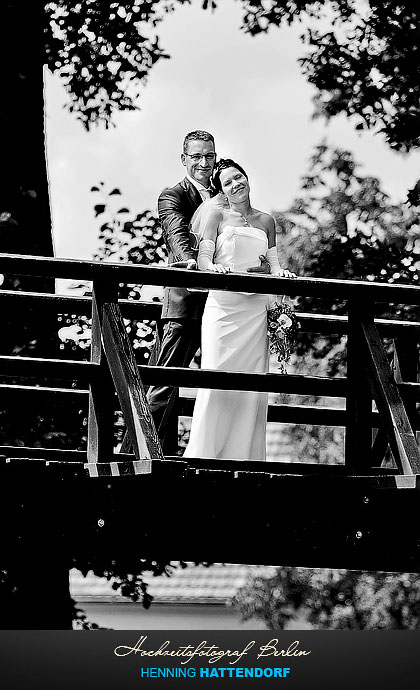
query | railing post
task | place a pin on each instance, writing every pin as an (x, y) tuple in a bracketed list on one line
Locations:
[(405, 367), (358, 440), (101, 388), (390, 405)]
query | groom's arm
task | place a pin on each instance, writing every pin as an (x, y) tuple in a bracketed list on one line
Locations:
[(174, 225)]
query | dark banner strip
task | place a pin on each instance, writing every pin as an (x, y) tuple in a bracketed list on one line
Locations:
[(196, 659)]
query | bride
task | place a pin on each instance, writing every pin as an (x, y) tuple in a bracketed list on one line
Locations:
[(232, 235)]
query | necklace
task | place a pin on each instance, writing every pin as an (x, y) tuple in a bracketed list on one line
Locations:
[(245, 218)]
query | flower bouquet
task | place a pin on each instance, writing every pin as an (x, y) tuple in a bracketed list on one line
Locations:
[(282, 328)]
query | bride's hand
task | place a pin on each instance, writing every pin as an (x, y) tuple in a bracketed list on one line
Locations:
[(285, 273), (218, 268), (189, 264), (264, 266)]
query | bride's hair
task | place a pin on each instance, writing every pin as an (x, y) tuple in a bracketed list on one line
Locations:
[(222, 164)]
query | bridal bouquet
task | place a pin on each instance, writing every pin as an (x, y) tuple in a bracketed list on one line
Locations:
[(282, 328)]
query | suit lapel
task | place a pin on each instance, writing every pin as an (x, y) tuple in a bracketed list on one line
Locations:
[(192, 192)]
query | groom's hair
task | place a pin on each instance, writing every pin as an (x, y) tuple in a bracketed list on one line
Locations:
[(222, 164), (197, 134)]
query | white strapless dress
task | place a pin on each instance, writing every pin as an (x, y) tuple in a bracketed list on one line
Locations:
[(232, 424)]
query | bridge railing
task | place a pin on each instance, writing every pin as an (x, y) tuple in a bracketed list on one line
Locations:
[(112, 365)]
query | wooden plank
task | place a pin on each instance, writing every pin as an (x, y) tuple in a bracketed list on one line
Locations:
[(131, 393), (178, 376), (43, 391), (358, 440), (192, 378), (369, 535), (276, 383), (409, 391), (80, 306), (293, 414), (143, 309), (50, 368), (46, 302), (58, 455), (405, 367), (389, 402), (75, 461), (126, 446), (101, 390), (173, 277), (379, 448), (328, 324)]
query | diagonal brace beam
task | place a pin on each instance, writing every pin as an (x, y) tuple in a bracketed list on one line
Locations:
[(129, 387), (389, 402)]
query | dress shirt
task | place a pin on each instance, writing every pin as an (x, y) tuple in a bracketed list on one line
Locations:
[(203, 191)]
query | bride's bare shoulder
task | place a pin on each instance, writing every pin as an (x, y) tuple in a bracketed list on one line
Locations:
[(266, 220), (215, 215)]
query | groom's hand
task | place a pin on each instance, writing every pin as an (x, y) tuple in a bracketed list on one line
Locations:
[(190, 264), (264, 268)]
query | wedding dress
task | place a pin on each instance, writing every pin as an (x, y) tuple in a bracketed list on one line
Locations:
[(232, 424)]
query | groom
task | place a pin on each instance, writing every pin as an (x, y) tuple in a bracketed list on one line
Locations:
[(182, 310)]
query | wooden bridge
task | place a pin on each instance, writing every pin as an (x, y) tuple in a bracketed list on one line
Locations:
[(66, 507)]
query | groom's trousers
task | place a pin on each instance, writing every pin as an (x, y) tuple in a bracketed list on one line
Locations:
[(180, 341)]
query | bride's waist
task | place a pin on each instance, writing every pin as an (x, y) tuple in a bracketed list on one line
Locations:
[(237, 264), (225, 296)]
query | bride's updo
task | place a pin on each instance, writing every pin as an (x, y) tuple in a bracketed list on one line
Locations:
[(222, 164)]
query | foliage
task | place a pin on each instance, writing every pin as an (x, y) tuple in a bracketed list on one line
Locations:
[(81, 621), (129, 238), (136, 241), (363, 59), (332, 599), (58, 423), (342, 226), (103, 51), (124, 238)]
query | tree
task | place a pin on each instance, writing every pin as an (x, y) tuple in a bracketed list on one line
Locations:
[(126, 237), (342, 226), (365, 64), (332, 599), (363, 59), (103, 52), (130, 238), (123, 237), (363, 56), (25, 224)]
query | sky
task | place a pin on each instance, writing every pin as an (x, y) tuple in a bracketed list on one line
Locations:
[(248, 92)]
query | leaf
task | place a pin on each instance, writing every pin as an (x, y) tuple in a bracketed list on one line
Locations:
[(123, 210), (99, 208), (114, 191), (94, 189)]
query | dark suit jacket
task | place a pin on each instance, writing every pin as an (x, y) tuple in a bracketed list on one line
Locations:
[(176, 207)]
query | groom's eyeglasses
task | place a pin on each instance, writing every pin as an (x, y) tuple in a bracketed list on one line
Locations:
[(196, 157)]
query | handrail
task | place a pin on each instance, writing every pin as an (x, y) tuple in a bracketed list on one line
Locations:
[(368, 371), (146, 309), (293, 384), (173, 277)]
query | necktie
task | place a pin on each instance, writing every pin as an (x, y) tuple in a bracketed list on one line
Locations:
[(205, 194)]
